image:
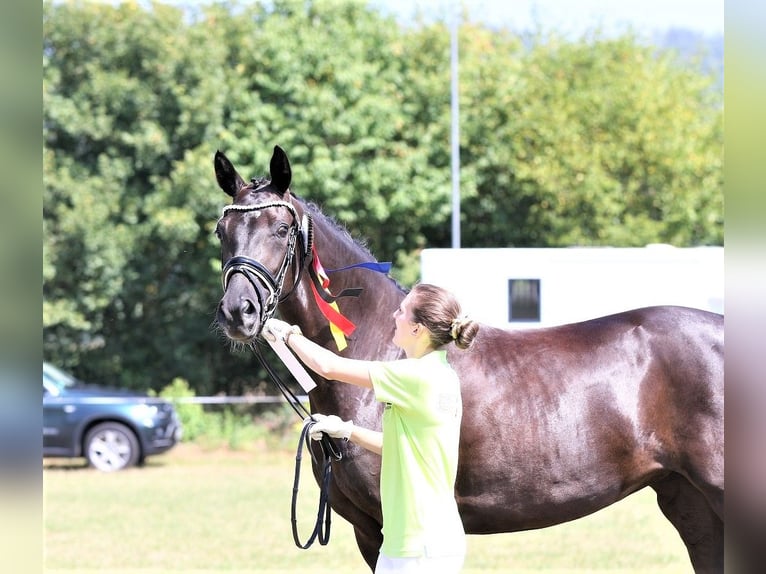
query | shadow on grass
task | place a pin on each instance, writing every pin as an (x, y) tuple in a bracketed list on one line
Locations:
[(81, 464), (61, 464)]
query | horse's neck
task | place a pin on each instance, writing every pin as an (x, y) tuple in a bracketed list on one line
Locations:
[(371, 311)]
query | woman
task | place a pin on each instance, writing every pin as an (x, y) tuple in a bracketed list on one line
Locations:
[(422, 530)]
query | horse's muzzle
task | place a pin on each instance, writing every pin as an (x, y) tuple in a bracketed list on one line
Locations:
[(239, 312)]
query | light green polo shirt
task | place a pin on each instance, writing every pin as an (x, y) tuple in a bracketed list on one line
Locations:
[(421, 433)]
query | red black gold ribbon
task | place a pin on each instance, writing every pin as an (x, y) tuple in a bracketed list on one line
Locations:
[(340, 326)]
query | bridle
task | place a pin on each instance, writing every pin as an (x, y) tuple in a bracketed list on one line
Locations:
[(254, 271)]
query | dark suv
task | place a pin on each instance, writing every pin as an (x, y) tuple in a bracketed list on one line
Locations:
[(112, 428)]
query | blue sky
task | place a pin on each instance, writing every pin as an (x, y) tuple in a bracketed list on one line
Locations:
[(575, 16), (565, 16)]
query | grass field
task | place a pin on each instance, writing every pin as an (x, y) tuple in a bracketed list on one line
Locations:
[(201, 511)]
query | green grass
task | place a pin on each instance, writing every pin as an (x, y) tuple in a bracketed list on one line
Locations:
[(201, 511)]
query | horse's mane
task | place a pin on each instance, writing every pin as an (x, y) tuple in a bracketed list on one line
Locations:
[(340, 228), (315, 210)]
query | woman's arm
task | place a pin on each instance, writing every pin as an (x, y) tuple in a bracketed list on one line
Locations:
[(328, 364), (369, 439)]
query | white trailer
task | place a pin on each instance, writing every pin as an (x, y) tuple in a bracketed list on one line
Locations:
[(535, 287)]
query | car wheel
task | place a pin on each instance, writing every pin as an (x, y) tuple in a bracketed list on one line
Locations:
[(111, 446)]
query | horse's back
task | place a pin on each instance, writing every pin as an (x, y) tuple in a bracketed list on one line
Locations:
[(686, 340), (664, 358)]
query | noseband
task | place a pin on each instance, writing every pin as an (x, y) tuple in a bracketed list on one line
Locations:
[(255, 271)]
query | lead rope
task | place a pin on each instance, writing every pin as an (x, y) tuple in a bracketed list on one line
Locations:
[(322, 526)]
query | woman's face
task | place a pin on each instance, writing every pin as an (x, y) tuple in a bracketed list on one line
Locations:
[(404, 323)]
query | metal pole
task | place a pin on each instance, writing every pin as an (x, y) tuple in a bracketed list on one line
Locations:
[(455, 130)]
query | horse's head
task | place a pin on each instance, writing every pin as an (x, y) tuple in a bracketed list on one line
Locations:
[(265, 237)]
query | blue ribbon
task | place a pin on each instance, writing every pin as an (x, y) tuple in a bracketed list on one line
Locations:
[(383, 267)]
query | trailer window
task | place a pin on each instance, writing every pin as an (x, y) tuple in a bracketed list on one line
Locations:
[(523, 300)]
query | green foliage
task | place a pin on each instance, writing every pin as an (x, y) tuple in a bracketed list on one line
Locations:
[(597, 141), (132, 107), (231, 426), (193, 418)]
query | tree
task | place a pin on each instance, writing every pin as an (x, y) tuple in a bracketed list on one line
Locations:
[(353, 102), (129, 102), (598, 142)]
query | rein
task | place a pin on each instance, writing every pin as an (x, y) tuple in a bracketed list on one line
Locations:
[(322, 525), (321, 530)]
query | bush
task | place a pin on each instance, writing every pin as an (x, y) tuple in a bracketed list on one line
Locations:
[(233, 426)]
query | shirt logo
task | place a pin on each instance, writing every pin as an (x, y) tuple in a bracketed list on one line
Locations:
[(448, 403)]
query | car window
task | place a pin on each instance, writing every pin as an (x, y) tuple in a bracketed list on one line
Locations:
[(55, 380)]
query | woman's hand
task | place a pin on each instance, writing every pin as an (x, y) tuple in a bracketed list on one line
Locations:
[(275, 329), (335, 427), (322, 361), (332, 425)]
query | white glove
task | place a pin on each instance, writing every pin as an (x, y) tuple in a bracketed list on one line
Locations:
[(332, 425), (275, 329)]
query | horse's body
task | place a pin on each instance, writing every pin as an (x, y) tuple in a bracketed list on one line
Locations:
[(558, 422)]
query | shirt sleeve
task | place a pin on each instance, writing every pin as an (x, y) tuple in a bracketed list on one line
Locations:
[(394, 382)]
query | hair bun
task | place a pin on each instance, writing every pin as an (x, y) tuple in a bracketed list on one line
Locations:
[(457, 326)]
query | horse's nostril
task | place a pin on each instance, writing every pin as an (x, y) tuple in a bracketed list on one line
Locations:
[(248, 308)]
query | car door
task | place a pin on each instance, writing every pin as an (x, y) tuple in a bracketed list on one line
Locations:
[(57, 424)]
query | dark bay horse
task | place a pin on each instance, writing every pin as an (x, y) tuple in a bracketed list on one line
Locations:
[(558, 422)]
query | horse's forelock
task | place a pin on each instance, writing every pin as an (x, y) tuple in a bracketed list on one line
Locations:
[(258, 182), (256, 187)]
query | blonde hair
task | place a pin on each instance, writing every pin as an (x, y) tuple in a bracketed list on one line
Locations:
[(439, 311)]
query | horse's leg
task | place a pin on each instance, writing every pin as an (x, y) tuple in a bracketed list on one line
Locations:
[(696, 521), (367, 530), (369, 545)]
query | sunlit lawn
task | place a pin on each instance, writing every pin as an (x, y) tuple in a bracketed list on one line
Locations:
[(193, 510)]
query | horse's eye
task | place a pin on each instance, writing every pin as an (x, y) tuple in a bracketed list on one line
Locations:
[(282, 230)]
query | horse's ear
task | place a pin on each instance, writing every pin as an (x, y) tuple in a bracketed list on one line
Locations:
[(228, 178), (280, 170)]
